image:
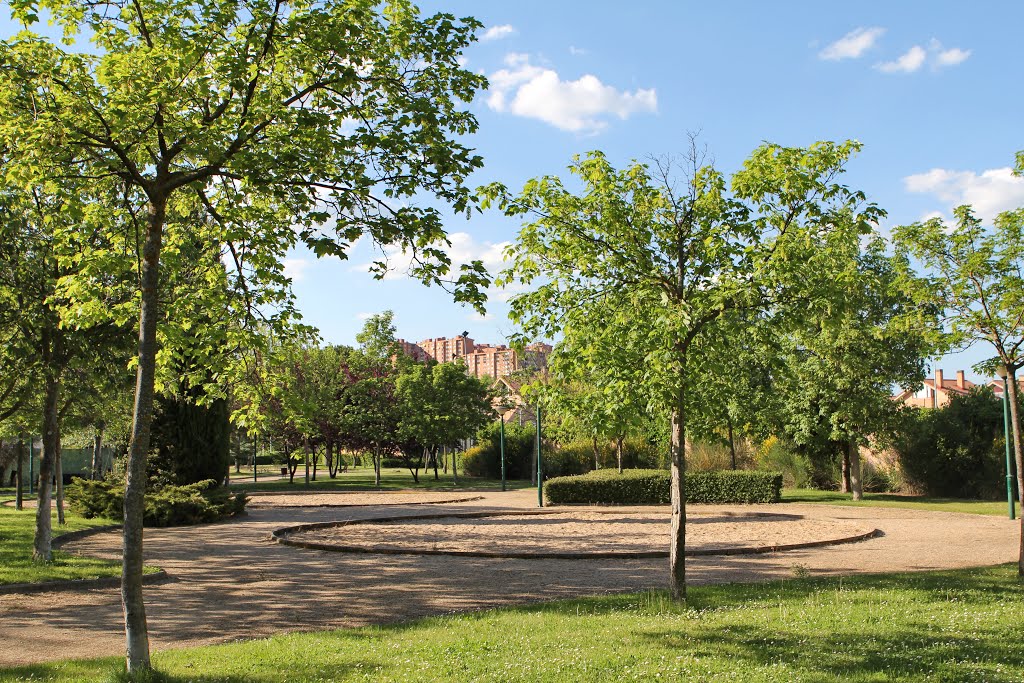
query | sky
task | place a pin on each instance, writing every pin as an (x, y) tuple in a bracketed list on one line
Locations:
[(932, 90)]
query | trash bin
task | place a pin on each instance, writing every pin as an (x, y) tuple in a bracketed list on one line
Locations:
[(284, 471)]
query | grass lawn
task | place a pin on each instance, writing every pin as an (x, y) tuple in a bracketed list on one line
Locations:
[(943, 626), (17, 529), (978, 507), (391, 479)]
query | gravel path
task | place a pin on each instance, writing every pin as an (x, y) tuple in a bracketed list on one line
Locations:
[(232, 582)]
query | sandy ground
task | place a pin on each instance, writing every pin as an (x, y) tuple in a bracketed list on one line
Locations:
[(583, 531), (232, 582), (352, 498)]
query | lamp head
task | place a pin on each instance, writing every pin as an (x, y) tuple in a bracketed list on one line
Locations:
[(1001, 371)]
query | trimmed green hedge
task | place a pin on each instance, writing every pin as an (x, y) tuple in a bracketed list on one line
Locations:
[(652, 487), (203, 501)]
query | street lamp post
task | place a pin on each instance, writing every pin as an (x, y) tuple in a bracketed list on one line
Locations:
[(501, 441), (540, 467), (1001, 371), (31, 465)]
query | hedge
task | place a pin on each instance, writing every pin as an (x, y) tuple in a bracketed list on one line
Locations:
[(203, 501), (652, 487)]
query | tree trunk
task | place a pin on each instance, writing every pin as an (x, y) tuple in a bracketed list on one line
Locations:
[(58, 470), (677, 452), (618, 452), (732, 442), (305, 454), (856, 485), (332, 470), (41, 549), (19, 492), (97, 452), (597, 454), (434, 458), (376, 467), (136, 631), (844, 476), (1018, 452), (455, 468)]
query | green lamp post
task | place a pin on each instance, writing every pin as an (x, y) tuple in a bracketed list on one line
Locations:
[(540, 466), (1001, 371)]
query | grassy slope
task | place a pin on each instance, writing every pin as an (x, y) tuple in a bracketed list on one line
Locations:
[(16, 566), (945, 626), (979, 507), (361, 479)]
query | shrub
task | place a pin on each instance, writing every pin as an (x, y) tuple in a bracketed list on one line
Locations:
[(484, 459), (652, 487), (957, 450), (776, 455), (190, 443), (168, 505)]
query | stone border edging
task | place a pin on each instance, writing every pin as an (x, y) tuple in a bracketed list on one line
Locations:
[(267, 506), (159, 576), (70, 536), (281, 536)]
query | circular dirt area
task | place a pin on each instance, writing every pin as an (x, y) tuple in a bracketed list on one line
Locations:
[(354, 498), (572, 534)]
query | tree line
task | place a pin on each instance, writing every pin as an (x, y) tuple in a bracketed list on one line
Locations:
[(154, 180)]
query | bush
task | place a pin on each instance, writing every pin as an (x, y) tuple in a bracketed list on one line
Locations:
[(484, 459), (957, 450), (197, 503), (653, 487), (776, 455)]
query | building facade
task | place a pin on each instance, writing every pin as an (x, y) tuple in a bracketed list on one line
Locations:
[(482, 360), (936, 392)]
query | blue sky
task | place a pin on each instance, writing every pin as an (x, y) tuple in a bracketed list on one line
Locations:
[(932, 89)]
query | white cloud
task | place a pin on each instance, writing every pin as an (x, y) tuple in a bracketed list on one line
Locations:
[(498, 32), (989, 192), (295, 268), (916, 57), (577, 51), (579, 106), (950, 57), (464, 248), (481, 317), (364, 316), (853, 44), (909, 62)]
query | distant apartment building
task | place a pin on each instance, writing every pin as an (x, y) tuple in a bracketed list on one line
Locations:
[(482, 360), (935, 393)]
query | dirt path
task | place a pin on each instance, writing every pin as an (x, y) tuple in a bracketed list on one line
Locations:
[(231, 582)]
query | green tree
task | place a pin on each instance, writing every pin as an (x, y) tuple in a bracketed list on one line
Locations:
[(678, 260), (833, 388), (279, 118), (41, 236), (975, 276), (439, 404)]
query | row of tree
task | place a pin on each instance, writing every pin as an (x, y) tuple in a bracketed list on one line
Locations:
[(766, 299), (160, 161), (316, 402)]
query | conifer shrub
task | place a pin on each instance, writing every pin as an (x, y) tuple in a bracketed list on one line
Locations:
[(166, 505)]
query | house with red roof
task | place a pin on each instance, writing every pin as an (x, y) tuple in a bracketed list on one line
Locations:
[(936, 392)]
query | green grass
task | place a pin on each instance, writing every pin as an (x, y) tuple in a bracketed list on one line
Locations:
[(17, 529), (943, 626), (977, 507), (392, 479)]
